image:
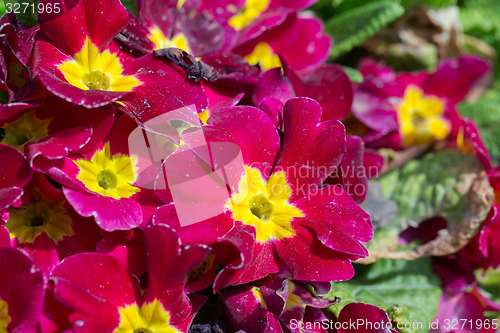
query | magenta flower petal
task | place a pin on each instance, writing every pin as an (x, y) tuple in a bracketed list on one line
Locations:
[(156, 11), (335, 238), (135, 36), (234, 71), (101, 121), (109, 213), (44, 254), (307, 259), (235, 251), (220, 96), (55, 315), (373, 163), (15, 73), (311, 150), (14, 170), (351, 175), (472, 142), (85, 238), (375, 111), (101, 20), (163, 88), (204, 232), (9, 196), (4, 237), (168, 266), (467, 308), (12, 110), (22, 288), (128, 247), (246, 311), (455, 272), (274, 109), (301, 42), (15, 173), (58, 145), (272, 84), (264, 262), (483, 251), (371, 318), (78, 283), (335, 207), (454, 78), (93, 98), (203, 34), (259, 144), (329, 85)]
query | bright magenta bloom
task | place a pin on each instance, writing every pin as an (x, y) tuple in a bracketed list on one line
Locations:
[(405, 109), (21, 292), (120, 306), (276, 305), (16, 173), (77, 60), (293, 226), (99, 181)]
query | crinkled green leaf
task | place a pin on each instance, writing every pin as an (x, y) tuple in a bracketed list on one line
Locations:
[(350, 27), (486, 115), (407, 290), (433, 185)]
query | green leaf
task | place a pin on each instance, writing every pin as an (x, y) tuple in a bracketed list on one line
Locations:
[(433, 3), (407, 290), (434, 185), (440, 3), (2, 8), (353, 74), (4, 97), (480, 18), (352, 25), (489, 282), (26, 11), (131, 5), (486, 115)]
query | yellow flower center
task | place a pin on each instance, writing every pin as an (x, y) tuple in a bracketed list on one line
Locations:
[(421, 118), (27, 128), (39, 215), (263, 54), (251, 10), (180, 3), (93, 70), (264, 205), (150, 318), (108, 175), (293, 300), (4, 316), (258, 295), (162, 42)]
